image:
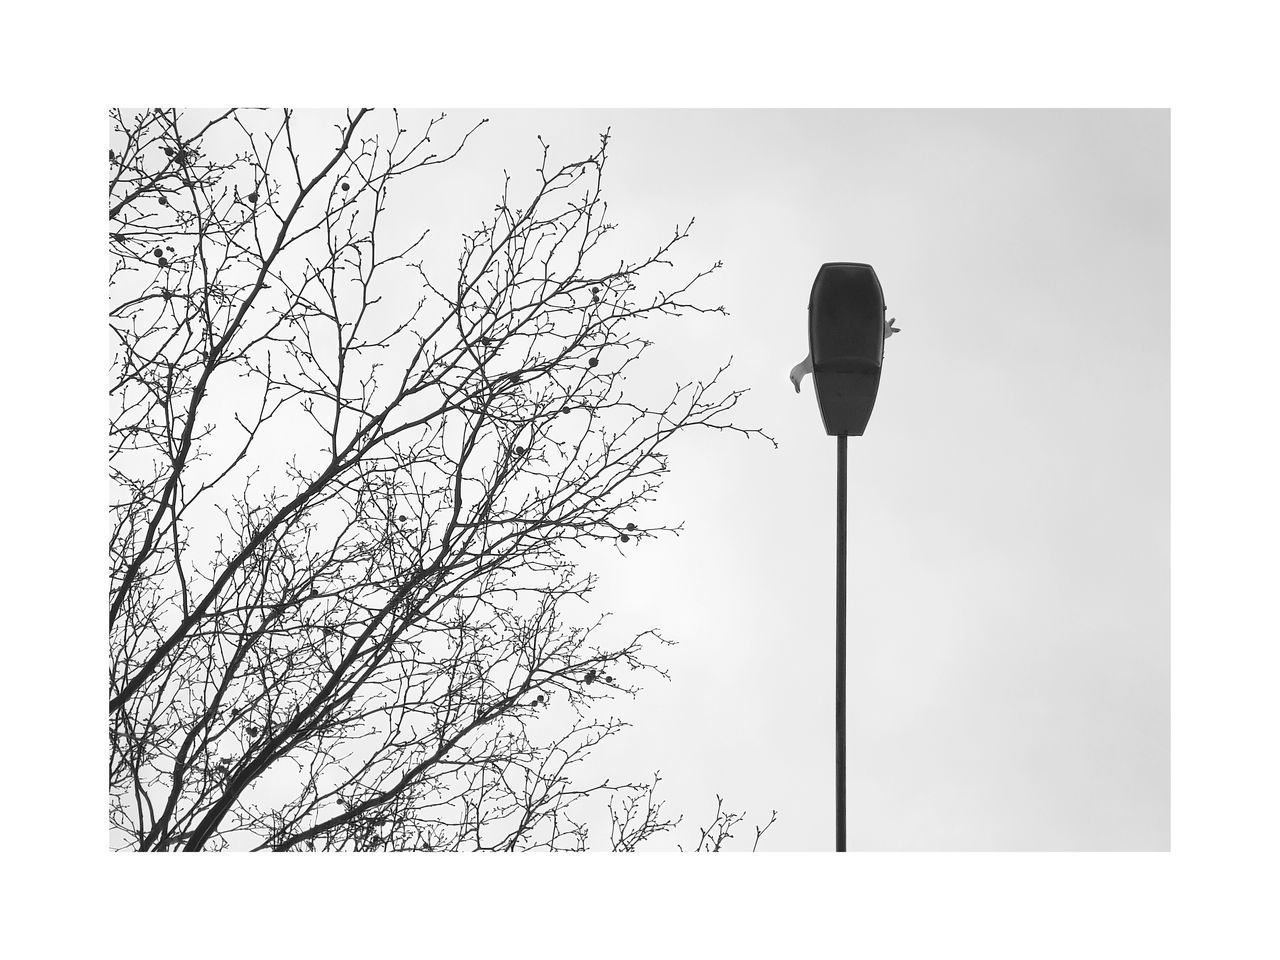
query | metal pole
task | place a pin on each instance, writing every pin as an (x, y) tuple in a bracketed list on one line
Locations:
[(842, 523)]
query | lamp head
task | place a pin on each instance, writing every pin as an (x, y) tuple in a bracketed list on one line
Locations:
[(847, 330)]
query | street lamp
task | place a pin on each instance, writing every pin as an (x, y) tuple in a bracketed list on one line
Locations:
[(847, 331)]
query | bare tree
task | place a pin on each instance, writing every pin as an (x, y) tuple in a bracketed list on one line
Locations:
[(352, 493)]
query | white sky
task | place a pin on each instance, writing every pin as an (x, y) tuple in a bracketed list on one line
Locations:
[(1009, 505)]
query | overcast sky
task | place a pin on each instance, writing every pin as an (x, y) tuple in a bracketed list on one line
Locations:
[(1009, 504)]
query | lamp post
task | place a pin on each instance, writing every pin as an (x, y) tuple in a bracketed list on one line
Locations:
[(847, 331)]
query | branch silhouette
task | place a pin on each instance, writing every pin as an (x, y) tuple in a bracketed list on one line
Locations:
[(353, 491)]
